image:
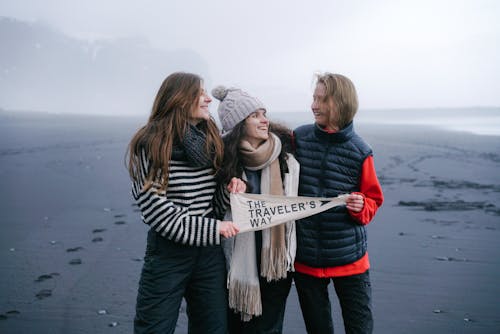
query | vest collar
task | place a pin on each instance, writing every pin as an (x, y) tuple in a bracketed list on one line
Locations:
[(337, 137)]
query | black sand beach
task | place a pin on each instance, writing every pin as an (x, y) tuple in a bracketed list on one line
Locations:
[(72, 241)]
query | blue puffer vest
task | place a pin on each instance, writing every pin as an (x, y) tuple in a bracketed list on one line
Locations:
[(330, 165)]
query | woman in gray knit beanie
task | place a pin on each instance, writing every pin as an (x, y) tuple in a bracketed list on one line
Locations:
[(259, 263), (235, 105)]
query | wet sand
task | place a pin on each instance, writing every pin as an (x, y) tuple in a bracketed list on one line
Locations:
[(72, 240)]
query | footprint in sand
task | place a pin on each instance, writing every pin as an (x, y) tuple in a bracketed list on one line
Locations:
[(74, 249), (44, 293), (98, 230), (450, 259), (43, 277), (9, 313)]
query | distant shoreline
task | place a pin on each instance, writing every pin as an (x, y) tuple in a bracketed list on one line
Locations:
[(484, 121)]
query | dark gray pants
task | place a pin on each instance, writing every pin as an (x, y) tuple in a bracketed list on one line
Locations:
[(171, 272), (354, 294), (273, 295)]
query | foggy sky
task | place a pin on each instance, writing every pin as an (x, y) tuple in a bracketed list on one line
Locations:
[(398, 53)]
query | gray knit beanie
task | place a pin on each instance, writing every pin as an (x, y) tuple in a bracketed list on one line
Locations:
[(235, 105)]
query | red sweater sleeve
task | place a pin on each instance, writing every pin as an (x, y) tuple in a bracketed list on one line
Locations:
[(371, 190)]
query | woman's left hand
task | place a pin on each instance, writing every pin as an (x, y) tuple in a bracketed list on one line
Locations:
[(236, 185)]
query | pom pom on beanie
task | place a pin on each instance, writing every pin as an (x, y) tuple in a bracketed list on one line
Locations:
[(219, 92)]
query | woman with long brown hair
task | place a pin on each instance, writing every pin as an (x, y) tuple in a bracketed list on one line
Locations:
[(173, 160)]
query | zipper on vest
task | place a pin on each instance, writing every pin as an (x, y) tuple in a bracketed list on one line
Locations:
[(323, 166), (322, 170)]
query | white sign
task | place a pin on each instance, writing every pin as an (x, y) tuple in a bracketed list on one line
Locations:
[(253, 212)]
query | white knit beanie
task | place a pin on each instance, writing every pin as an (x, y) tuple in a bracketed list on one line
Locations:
[(235, 105)]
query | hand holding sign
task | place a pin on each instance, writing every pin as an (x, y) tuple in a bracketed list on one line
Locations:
[(355, 202), (228, 229)]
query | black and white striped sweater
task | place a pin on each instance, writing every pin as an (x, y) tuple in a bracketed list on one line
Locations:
[(182, 213)]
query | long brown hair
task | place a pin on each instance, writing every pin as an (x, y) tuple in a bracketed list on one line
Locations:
[(173, 106)]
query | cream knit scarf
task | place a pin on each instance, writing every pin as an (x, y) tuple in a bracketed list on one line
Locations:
[(243, 280), (265, 158)]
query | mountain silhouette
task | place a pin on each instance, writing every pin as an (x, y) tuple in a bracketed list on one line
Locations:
[(43, 69)]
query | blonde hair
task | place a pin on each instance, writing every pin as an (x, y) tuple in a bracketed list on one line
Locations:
[(341, 91)]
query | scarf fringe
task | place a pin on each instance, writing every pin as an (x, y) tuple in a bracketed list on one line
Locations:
[(274, 263), (245, 299)]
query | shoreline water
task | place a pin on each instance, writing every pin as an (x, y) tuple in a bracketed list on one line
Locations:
[(72, 240), (474, 120), (479, 121)]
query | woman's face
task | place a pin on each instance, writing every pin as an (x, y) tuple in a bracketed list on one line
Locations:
[(256, 128), (324, 109), (201, 111)]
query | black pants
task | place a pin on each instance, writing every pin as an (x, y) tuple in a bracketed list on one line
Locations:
[(354, 294), (273, 295), (171, 272)]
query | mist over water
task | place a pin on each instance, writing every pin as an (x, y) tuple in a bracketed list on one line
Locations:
[(480, 120), (44, 69)]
